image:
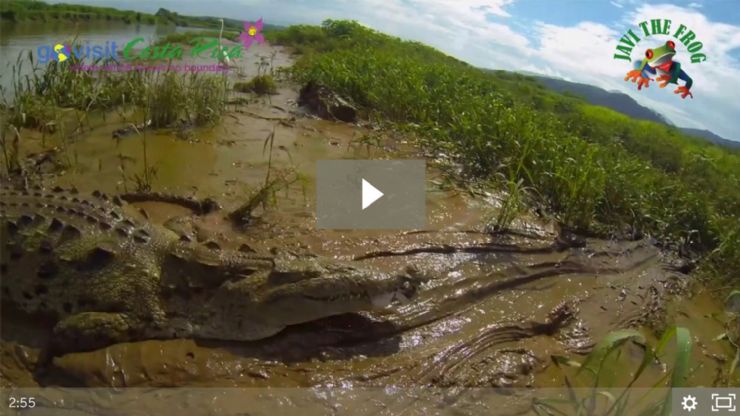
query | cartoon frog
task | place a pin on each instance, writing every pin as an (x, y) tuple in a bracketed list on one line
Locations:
[(660, 61)]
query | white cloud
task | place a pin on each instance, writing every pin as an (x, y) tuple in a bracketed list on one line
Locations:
[(457, 27), (584, 53), (695, 5), (469, 8), (622, 3), (580, 52)]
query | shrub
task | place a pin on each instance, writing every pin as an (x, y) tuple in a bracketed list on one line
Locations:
[(260, 85)]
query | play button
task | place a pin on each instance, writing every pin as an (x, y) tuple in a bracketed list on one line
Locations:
[(370, 194)]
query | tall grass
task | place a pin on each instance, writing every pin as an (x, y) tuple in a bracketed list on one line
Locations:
[(39, 94), (50, 98), (166, 99), (191, 99), (597, 171), (275, 180), (207, 99)]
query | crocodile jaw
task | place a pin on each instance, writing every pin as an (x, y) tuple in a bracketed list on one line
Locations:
[(325, 296), (384, 300)]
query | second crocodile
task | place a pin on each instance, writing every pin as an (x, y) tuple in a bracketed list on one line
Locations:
[(106, 277)]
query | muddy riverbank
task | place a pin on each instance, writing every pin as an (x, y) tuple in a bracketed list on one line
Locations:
[(493, 310)]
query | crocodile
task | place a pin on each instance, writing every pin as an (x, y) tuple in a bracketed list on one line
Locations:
[(105, 276)]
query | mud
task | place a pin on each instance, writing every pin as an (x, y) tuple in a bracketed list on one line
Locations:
[(493, 309)]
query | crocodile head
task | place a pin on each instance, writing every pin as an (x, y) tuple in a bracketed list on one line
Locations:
[(293, 298), (299, 289)]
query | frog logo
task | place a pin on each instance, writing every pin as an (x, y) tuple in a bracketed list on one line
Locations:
[(63, 52), (659, 61)]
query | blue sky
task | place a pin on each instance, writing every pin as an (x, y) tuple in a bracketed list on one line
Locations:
[(570, 39)]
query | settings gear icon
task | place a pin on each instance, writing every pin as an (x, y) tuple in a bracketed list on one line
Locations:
[(689, 403)]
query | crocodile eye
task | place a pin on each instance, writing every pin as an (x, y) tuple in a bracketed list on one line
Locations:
[(671, 44), (649, 53)]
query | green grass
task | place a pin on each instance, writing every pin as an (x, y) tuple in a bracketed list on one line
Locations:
[(260, 85), (604, 369), (166, 99), (206, 101), (41, 97), (597, 171)]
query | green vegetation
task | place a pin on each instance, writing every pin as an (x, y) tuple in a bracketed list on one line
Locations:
[(20, 10), (188, 37), (260, 85), (166, 16), (597, 171), (275, 180), (58, 100), (166, 97), (40, 96), (600, 372), (732, 332), (192, 99), (33, 10)]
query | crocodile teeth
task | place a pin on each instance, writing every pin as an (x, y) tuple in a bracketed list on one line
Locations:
[(383, 300), (401, 298)]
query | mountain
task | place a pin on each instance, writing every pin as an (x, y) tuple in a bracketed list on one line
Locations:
[(708, 135), (203, 21), (617, 101), (625, 104)]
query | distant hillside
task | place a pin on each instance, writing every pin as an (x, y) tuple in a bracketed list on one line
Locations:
[(204, 21), (624, 104), (594, 95), (39, 11), (708, 135)]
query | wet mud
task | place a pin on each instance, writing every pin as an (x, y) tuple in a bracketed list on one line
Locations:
[(493, 308)]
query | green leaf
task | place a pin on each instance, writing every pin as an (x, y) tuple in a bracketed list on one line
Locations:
[(596, 359), (733, 365), (562, 360), (681, 364), (683, 356)]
